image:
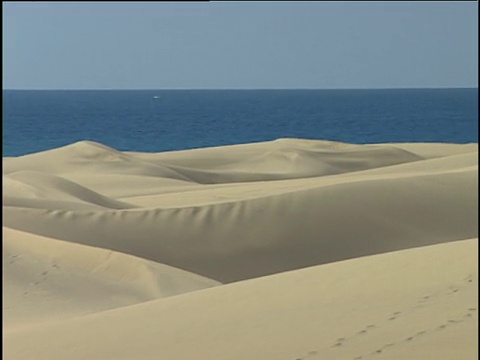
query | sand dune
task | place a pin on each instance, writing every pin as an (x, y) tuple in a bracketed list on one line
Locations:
[(49, 280), (419, 304), (34, 189), (101, 239)]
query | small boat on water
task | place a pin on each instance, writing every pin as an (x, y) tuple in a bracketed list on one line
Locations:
[(156, 97)]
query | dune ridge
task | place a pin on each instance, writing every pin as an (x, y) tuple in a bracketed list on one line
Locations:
[(54, 271), (149, 236)]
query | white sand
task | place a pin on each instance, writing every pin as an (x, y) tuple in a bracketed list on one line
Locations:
[(121, 255)]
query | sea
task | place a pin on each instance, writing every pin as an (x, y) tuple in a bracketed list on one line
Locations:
[(166, 120)]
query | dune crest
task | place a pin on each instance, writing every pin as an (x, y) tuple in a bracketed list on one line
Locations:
[(74, 280), (24, 188)]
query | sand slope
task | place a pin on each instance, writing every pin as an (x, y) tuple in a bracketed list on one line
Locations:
[(414, 304), (97, 242), (47, 280)]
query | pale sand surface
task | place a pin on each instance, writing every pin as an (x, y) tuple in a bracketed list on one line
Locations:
[(326, 251)]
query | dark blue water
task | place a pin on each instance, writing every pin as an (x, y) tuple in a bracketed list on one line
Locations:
[(182, 119)]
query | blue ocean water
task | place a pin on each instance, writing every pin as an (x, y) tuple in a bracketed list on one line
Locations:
[(154, 121)]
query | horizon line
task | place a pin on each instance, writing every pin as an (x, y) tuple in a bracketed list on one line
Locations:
[(237, 89)]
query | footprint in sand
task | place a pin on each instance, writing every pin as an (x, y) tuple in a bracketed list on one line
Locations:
[(394, 315), (339, 342), (453, 291), (378, 351), (366, 329), (414, 336), (423, 301)]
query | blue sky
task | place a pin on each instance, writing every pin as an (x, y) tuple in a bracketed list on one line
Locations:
[(239, 45)]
